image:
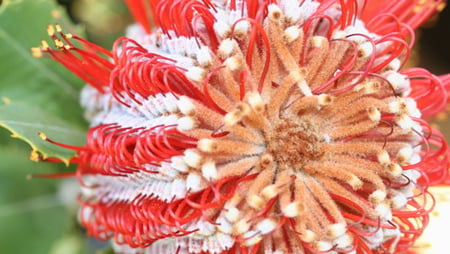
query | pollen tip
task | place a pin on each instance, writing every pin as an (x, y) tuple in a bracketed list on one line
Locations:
[(232, 214), (50, 30), (194, 182), (374, 114), (325, 99), (195, 73), (192, 158), (383, 157), (241, 227), (185, 105), (269, 192), (308, 236), (44, 45), (209, 170), (226, 47), (256, 202), (339, 34), (42, 135), (233, 63), (256, 102), (59, 43), (404, 154), (36, 52), (398, 202), (292, 33), (377, 197), (292, 210), (58, 28), (355, 182), (317, 41), (275, 12), (322, 245), (186, 123), (336, 230), (266, 226), (207, 145), (395, 169), (365, 49)]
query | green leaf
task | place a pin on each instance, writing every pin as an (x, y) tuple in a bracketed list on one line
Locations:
[(43, 95), (26, 122), (32, 216)]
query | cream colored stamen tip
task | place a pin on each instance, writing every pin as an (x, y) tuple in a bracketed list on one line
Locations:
[(266, 226), (398, 202), (36, 52), (269, 192), (308, 236), (241, 227), (404, 154), (256, 202), (292, 33), (185, 105), (194, 182), (186, 123), (232, 214), (336, 230), (374, 114), (195, 73), (318, 41), (394, 169), (178, 163), (207, 145), (226, 47), (384, 211), (325, 99), (291, 210), (377, 197), (233, 63), (339, 34), (209, 170), (355, 182), (383, 157), (275, 12), (323, 245), (232, 118), (192, 158), (251, 238), (365, 49), (395, 79), (404, 121), (344, 241), (256, 102)]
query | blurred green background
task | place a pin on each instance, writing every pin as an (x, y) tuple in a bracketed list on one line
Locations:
[(38, 216)]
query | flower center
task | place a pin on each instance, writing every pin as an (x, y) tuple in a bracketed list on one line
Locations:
[(293, 142)]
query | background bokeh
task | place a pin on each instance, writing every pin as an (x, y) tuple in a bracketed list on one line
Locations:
[(38, 216)]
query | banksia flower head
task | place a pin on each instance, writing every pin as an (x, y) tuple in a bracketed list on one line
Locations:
[(258, 127)]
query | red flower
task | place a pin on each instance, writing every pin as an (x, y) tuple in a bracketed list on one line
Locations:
[(259, 127)]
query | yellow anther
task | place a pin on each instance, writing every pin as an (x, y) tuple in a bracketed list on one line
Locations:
[(58, 28), (50, 30), (45, 45), (36, 52), (59, 43)]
